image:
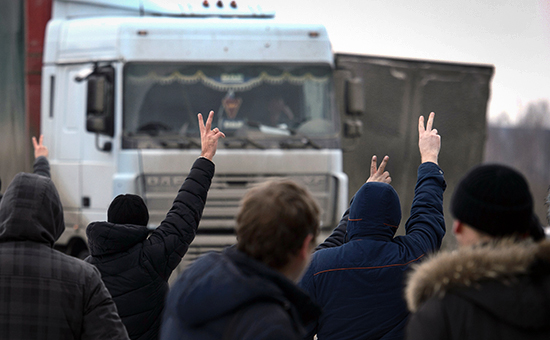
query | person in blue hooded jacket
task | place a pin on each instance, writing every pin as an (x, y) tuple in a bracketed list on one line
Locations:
[(357, 275)]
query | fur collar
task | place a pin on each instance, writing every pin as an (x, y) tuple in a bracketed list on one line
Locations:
[(466, 267)]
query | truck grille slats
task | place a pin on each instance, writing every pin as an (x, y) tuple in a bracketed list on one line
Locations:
[(224, 196)]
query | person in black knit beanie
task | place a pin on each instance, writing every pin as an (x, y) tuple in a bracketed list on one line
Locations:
[(135, 261), (128, 209), (495, 200), (497, 284)]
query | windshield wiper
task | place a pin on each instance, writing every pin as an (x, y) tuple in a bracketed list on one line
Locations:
[(241, 143), (303, 141), (299, 143), (182, 142), (189, 142)]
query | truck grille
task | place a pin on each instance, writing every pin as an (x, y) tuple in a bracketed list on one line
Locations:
[(225, 195), (216, 228)]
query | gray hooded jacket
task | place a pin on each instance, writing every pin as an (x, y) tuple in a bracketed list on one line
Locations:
[(45, 294)]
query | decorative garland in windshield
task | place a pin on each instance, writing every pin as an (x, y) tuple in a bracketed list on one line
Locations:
[(227, 82)]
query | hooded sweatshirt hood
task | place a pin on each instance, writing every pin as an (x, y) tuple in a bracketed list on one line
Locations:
[(108, 238), (31, 210), (375, 211), (201, 296)]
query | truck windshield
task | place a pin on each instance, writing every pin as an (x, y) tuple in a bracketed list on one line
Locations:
[(256, 106)]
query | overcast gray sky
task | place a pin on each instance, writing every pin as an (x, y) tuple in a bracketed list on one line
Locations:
[(512, 35)]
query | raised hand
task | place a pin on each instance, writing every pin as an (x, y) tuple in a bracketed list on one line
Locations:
[(429, 142), (39, 148), (209, 138), (379, 174)]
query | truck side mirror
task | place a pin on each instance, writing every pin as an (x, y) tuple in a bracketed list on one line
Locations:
[(355, 96), (100, 102)]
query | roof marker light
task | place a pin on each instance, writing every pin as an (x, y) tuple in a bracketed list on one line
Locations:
[(205, 3), (219, 3), (233, 4)]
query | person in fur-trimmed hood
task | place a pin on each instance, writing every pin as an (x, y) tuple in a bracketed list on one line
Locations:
[(497, 284)]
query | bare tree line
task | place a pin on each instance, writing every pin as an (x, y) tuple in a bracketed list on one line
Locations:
[(526, 147), (536, 115)]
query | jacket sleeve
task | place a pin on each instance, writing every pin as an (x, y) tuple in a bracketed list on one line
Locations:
[(101, 319), (428, 322), (168, 243), (426, 224), (41, 166)]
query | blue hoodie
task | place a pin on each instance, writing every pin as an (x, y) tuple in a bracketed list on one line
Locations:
[(359, 284), (229, 295)]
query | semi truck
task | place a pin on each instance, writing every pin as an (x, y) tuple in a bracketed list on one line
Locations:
[(122, 83)]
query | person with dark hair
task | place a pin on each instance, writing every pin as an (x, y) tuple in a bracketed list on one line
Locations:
[(249, 291), (136, 263), (359, 282), (45, 294), (497, 284)]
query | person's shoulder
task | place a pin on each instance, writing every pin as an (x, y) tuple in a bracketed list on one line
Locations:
[(208, 258), (339, 252), (72, 261), (72, 269), (324, 260), (212, 262), (265, 320), (98, 225), (324, 255)]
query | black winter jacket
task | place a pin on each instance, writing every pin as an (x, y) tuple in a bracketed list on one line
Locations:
[(495, 291), (135, 267), (231, 296), (45, 294)]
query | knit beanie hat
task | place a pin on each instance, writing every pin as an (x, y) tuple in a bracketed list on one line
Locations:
[(494, 199), (128, 209)]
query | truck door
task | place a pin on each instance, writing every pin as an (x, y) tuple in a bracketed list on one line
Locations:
[(397, 92), (64, 127)]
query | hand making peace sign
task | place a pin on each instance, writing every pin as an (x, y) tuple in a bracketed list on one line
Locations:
[(429, 142), (209, 138), (39, 148)]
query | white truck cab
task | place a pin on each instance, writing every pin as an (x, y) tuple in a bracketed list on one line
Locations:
[(122, 86)]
